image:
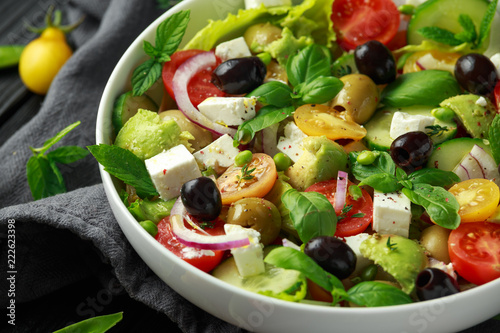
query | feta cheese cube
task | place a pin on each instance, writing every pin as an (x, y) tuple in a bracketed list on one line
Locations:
[(403, 122), (228, 111), (391, 213), (495, 59), (354, 242), (170, 169), (291, 143), (220, 153), (249, 259), (235, 48), (267, 3)]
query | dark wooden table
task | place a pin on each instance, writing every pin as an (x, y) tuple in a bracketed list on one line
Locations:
[(88, 297)]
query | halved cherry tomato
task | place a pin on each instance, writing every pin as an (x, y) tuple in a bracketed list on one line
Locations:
[(196, 257), (260, 176), (319, 119), (358, 21), (475, 251), (433, 59), (318, 293), (199, 87), (347, 225), (496, 95), (478, 199)]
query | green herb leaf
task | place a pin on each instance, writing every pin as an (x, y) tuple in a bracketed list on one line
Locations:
[(429, 87), (99, 324), (273, 93), (440, 204), (145, 75), (124, 165), (391, 246), (372, 293), (150, 50), (380, 174), (310, 63), (439, 35), (55, 139), (494, 138), (468, 35), (382, 182), (485, 27), (434, 177), (436, 130), (320, 90), (170, 32), (42, 179), (311, 213), (67, 154)]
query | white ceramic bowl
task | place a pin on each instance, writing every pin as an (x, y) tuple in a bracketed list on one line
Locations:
[(249, 310)]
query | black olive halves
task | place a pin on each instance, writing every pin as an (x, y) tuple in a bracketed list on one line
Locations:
[(411, 150), (239, 75), (433, 283), (476, 73), (375, 60), (202, 198)]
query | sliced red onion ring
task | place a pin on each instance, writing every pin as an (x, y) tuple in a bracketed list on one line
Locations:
[(341, 193), (181, 79), (191, 238)]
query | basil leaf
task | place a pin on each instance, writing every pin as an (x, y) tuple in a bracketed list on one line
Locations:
[(434, 177), (170, 32), (440, 204), (371, 293), (382, 182), (311, 213), (67, 154), (42, 179), (274, 93), (439, 35), (145, 75), (429, 87), (382, 164), (99, 324), (124, 165), (309, 63), (485, 27), (55, 139), (320, 90), (494, 138)]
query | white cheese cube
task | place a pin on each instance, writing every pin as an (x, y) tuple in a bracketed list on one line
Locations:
[(220, 153), (481, 101), (170, 169), (403, 122), (495, 59), (291, 143), (249, 259), (391, 213), (267, 3), (235, 48), (354, 242), (228, 111)]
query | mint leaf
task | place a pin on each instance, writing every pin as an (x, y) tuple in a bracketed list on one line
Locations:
[(42, 179), (67, 154), (55, 139), (124, 165), (145, 75), (149, 49), (371, 294), (439, 35), (468, 35), (170, 32), (485, 27)]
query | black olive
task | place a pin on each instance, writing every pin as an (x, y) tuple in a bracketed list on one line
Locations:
[(202, 198), (476, 73), (375, 60), (411, 150), (239, 75), (333, 255), (433, 283)]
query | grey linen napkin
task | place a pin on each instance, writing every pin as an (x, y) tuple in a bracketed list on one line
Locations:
[(63, 239)]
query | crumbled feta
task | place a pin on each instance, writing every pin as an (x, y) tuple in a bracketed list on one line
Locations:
[(403, 122), (249, 259), (220, 153), (235, 48), (228, 111), (391, 213), (192, 253), (170, 169), (291, 143), (481, 101), (267, 3)]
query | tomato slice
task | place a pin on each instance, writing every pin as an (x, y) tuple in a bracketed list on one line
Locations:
[(199, 87), (478, 199), (475, 251), (201, 259), (347, 225), (235, 184), (496, 95), (358, 21)]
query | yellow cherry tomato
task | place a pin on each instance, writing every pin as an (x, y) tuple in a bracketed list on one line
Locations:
[(478, 199), (433, 59), (318, 120), (42, 59)]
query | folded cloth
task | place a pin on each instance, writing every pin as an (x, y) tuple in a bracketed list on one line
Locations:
[(57, 238)]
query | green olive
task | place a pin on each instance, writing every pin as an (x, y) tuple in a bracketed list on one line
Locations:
[(359, 97), (256, 213), (202, 136), (261, 34), (435, 240)]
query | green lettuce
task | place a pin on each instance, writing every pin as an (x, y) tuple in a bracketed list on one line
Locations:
[(154, 211)]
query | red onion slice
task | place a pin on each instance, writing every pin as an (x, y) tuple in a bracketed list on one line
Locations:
[(191, 238), (181, 79), (341, 193)]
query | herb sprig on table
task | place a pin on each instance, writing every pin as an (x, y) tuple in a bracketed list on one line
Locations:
[(44, 177)]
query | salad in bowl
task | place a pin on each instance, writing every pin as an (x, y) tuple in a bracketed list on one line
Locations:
[(333, 159)]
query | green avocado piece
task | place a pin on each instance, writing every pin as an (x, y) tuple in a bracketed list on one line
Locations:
[(321, 160), (146, 134), (403, 260), (475, 117)]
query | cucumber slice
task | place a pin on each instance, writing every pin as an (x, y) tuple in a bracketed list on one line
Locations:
[(444, 14), (378, 127), (275, 281), (344, 65), (126, 107), (447, 155)]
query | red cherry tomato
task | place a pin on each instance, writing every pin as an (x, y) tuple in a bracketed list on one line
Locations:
[(199, 87), (347, 225), (475, 251), (496, 95), (358, 21), (197, 258)]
